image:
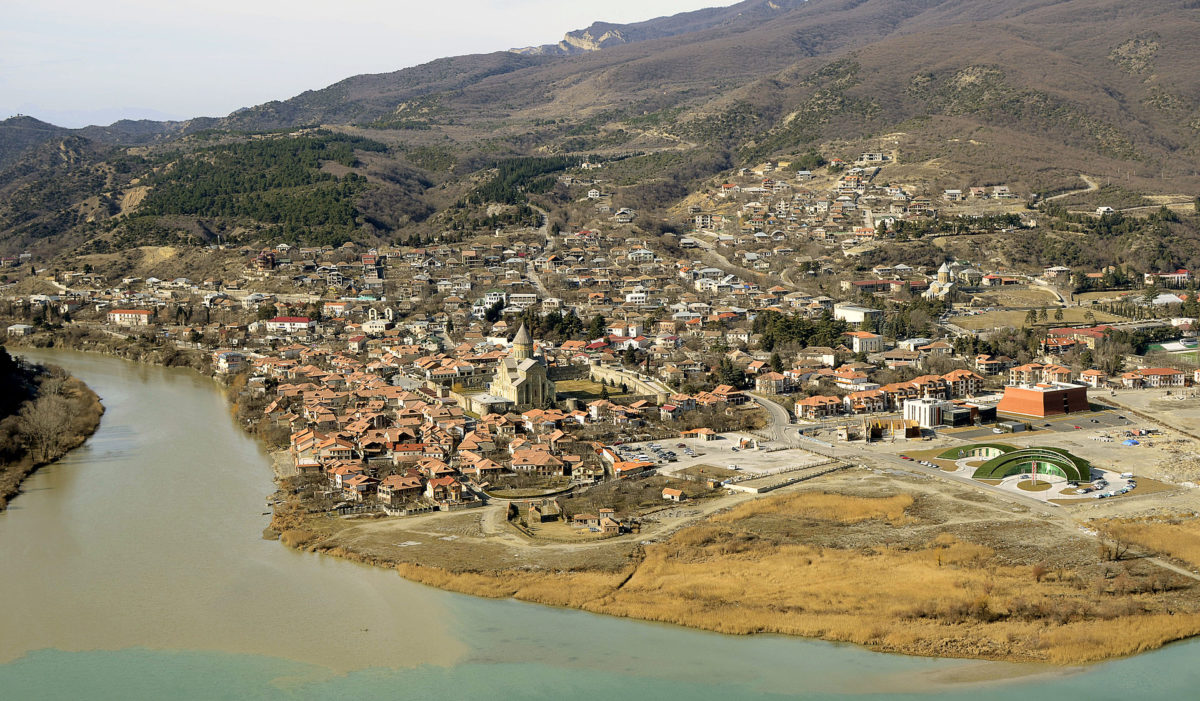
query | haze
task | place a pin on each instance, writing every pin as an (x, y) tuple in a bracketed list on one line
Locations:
[(75, 63)]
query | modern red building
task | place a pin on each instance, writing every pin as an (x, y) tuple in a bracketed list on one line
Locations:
[(1044, 399)]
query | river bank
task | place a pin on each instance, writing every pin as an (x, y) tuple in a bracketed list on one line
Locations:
[(990, 603), (891, 563), (252, 620), (60, 413)]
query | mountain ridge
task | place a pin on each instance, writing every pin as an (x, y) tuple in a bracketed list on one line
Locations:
[(1029, 92)]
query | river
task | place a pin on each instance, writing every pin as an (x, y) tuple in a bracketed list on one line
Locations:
[(134, 569)]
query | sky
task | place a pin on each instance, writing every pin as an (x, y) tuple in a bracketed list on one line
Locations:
[(79, 62)]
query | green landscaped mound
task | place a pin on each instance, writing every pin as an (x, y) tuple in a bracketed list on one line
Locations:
[(1054, 461), (976, 450)]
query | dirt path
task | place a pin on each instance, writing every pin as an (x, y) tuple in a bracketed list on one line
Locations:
[(1091, 187)]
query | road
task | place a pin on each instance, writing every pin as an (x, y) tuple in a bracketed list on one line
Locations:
[(710, 250), (544, 231), (780, 429), (1091, 186)]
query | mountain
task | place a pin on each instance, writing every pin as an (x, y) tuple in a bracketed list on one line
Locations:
[(603, 35), (20, 134), (1025, 92)]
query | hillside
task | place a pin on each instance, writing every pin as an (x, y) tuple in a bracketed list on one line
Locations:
[(1026, 92), (603, 35)]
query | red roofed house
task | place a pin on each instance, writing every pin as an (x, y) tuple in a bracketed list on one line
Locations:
[(1092, 378), (290, 324), (1162, 377), (397, 489), (818, 407), (444, 490), (963, 383)]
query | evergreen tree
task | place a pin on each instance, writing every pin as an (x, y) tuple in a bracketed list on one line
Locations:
[(494, 312), (596, 327), (730, 374)]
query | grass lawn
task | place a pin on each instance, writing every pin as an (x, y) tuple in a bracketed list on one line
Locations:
[(1015, 318), (1033, 486), (584, 389)]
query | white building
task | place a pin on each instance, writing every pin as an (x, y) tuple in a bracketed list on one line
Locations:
[(130, 317), (926, 412), (856, 315), (290, 324), (376, 327), (228, 362)]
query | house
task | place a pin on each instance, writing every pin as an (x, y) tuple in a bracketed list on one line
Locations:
[(856, 315), (963, 383), (866, 402), (705, 434), (1162, 377), (771, 383), (290, 325), (130, 317), (228, 362), (397, 489), (865, 341), (358, 486), (444, 490), (818, 407), (675, 495)]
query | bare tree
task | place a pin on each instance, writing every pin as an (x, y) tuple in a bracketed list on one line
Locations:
[(44, 424)]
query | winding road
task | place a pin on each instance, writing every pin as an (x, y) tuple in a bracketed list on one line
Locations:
[(780, 421)]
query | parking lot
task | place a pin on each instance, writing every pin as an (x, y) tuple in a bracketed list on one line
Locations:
[(722, 452), (1056, 424)]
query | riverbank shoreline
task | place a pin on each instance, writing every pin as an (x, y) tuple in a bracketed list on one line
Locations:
[(82, 412), (623, 587), (970, 604)]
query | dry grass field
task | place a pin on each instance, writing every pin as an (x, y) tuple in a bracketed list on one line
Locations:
[(892, 563), (945, 596), (1176, 538), (1018, 297)]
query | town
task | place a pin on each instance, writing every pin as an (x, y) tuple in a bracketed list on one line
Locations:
[(533, 367)]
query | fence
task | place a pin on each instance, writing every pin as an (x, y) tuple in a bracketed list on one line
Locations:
[(762, 489)]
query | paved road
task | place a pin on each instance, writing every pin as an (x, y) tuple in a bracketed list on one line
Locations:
[(544, 232), (710, 250), (780, 429)]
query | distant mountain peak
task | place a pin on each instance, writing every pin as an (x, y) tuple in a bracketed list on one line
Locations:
[(603, 35)]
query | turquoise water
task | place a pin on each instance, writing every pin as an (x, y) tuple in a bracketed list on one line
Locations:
[(133, 570), (141, 674)]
